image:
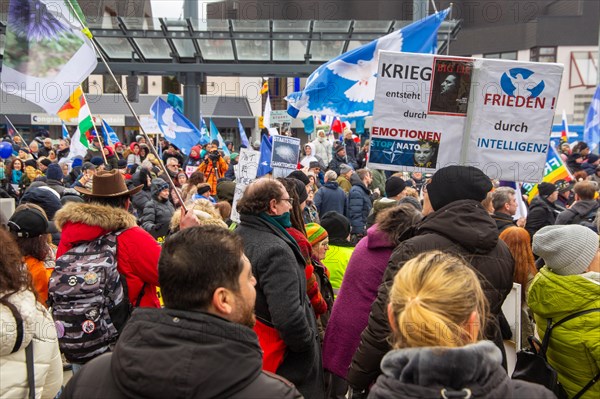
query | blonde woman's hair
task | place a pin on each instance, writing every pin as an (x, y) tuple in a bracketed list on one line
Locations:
[(432, 298), (205, 212)]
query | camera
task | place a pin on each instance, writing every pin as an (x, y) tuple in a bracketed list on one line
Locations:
[(214, 155)]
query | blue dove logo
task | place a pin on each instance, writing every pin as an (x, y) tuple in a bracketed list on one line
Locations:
[(520, 77)]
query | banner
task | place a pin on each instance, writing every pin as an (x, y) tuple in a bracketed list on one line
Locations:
[(46, 55), (285, 153), (244, 175), (433, 111)]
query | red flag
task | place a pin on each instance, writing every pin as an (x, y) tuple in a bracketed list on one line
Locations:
[(337, 126)]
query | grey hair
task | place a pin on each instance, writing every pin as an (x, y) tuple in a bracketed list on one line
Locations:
[(501, 196)]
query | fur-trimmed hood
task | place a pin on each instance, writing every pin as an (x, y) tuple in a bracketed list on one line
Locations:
[(91, 214)]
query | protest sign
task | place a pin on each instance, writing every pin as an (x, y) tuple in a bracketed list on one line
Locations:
[(433, 111), (285, 153), (245, 173)]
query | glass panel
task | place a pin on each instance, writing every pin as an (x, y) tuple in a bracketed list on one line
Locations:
[(115, 47), (216, 49), (324, 51), (401, 24), (372, 26), (248, 50), (184, 47), (547, 50), (292, 50), (214, 25), (104, 22), (154, 48), (331, 26), (251, 26), (511, 55), (175, 24), (291, 26), (142, 23)]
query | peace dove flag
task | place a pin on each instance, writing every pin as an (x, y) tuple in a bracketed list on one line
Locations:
[(345, 86)]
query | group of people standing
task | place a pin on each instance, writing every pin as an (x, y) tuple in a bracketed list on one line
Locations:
[(316, 292)]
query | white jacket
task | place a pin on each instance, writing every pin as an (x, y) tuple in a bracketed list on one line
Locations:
[(322, 149), (39, 328)]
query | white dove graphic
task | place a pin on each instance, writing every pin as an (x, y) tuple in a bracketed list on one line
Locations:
[(364, 71), (169, 127)]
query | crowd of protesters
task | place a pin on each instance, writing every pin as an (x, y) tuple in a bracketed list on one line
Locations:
[(334, 283)]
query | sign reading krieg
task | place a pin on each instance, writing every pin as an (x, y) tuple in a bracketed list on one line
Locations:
[(432, 111), (406, 135)]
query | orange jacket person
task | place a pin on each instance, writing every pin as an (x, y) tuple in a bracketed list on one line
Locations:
[(213, 167)]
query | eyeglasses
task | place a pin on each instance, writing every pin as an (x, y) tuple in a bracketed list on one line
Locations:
[(290, 200)]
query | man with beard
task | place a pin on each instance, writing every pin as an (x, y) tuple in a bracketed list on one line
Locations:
[(286, 324), (201, 344)]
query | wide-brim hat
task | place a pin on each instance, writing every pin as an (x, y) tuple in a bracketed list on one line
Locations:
[(108, 184)]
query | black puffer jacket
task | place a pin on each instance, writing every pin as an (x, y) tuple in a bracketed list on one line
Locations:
[(166, 353), (336, 163), (542, 213), (461, 227), (158, 212), (425, 372)]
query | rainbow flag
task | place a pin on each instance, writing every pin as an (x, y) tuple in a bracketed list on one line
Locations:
[(554, 170)]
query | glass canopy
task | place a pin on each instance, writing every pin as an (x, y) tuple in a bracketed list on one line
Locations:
[(202, 42)]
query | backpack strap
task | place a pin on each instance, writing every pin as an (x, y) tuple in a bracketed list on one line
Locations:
[(587, 386), (30, 370), (551, 327), (19, 319)]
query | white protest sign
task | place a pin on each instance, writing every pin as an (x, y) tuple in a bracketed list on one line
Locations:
[(285, 153), (432, 111), (406, 135), (244, 175), (511, 116)]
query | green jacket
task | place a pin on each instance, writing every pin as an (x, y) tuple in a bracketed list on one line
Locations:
[(336, 261), (574, 348)]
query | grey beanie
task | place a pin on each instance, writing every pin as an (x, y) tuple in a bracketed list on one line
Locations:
[(567, 249)]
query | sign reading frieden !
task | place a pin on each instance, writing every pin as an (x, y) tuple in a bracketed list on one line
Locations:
[(432, 111)]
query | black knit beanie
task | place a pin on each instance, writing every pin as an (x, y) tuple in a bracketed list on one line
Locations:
[(454, 183)]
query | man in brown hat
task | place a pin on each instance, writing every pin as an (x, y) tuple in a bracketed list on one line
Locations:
[(104, 211)]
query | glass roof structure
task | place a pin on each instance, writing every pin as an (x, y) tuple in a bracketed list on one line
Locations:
[(161, 46)]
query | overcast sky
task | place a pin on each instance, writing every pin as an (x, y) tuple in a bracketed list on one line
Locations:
[(167, 8)]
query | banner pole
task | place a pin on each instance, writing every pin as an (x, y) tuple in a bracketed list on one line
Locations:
[(88, 33), (17, 132)]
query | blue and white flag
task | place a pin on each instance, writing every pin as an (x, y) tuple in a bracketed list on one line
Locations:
[(176, 127), (215, 135), (108, 134), (264, 162), (175, 101), (309, 124), (243, 136), (205, 139), (345, 85), (65, 131), (591, 132)]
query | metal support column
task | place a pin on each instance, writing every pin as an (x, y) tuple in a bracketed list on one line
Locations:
[(191, 96)]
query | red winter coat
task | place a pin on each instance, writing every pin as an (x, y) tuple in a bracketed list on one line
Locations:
[(137, 251)]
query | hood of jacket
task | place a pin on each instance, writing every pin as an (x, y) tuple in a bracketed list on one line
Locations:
[(464, 222), (331, 185), (157, 183), (29, 309), (87, 221), (585, 207), (552, 295), (423, 372), (184, 354), (378, 239)]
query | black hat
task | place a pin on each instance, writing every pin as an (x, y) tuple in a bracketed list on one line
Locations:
[(336, 224), (337, 147), (46, 162), (299, 175), (394, 186), (563, 186), (313, 164), (203, 188), (122, 163), (300, 189), (545, 189), (97, 161), (455, 183), (88, 165), (28, 223)]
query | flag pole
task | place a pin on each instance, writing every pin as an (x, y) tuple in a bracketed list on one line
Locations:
[(88, 33), (94, 128), (17, 132)]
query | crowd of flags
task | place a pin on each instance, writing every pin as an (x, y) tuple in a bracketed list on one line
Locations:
[(316, 105)]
